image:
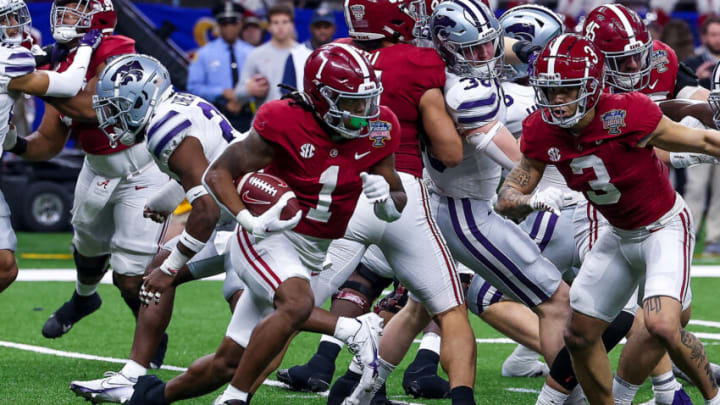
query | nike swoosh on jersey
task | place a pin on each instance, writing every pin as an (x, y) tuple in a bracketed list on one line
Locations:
[(652, 86), (359, 156)]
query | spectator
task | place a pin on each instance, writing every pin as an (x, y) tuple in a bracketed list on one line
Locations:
[(709, 54), (264, 67), (677, 35), (251, 31), (216, 71), (322, 30)]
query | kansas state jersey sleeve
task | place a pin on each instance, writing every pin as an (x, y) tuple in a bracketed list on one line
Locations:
[(16, 61), (168, 127), (643, 116), (473, 103)]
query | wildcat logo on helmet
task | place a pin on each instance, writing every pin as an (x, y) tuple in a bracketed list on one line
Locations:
[(132, 71), (379, 133), (613, 120)]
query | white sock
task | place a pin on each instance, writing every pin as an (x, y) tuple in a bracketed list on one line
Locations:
[(355, 366), (550, 396), (525, 353), (85, 290), (346, 328), (385, 369), (233, 393), (330, 339), (430, 341), (133, 369), (664, 387), (577, 396), (714, 401), (623, 391)]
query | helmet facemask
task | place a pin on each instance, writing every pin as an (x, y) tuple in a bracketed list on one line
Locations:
[(587, 87), (629, 81), (349, 114), (470, 61), (418, 11), (81, 15), (14, 23)]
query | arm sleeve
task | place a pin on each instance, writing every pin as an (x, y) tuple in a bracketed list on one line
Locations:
[(646, 116), (69, 82)]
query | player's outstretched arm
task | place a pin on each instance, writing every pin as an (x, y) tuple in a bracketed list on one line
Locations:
[(43, 144), (514, 197), (242, 157), (66, 84), (445, 142), (674, 137)]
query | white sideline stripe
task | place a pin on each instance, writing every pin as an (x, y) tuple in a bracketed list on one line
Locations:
[(711, 324), (83, 356), (523, 390)]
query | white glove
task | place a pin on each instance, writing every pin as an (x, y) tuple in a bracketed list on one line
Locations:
[(4, 83), (681, 160), (269, 222), (159, 207), (551, 199), (10, 137), (375, 187)]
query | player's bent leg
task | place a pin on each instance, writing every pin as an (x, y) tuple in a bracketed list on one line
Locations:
[(663, 322), (592, 367), (553, 315), (8, 268), (85, 299)]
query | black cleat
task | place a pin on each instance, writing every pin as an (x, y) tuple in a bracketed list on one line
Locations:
[(421, 379), (343, 387), (381, 398), (149, 390), (159, 356), (234, 402), (306, 378), (70, 313)]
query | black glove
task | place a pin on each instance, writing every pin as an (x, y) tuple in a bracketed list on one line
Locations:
[(54, 54), (523, 49)]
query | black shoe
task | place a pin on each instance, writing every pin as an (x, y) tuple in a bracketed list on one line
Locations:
[(70, 313), (149, 390), (381, 398), (342, 388), (159, 356), (307, 377), (234, 402), (421, 379)]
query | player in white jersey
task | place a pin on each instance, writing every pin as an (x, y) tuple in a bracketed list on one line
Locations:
[(184, 133), (17, 76)]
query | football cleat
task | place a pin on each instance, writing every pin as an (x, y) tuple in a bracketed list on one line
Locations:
[(115, 388), (149, 390), (70, 313), (680, 397), (524, 362), (421, 379), (304, 378), (364, 344), (219, 401), (342, 387)]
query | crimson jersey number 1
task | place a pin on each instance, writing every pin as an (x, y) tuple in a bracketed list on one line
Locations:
[(328, 179)]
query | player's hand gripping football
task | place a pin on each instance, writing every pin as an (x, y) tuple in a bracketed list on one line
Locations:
[(269, 221), (550, 199)]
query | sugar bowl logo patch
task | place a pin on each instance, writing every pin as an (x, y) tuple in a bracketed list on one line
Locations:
[(660, 61), (358, 11), (613, 120), (379, 133)]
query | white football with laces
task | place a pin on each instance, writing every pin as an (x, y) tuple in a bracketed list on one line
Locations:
[(260, 191)]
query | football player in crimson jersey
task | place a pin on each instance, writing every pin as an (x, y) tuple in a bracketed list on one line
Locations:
[(326, 148), (114, 182), (590, 136)]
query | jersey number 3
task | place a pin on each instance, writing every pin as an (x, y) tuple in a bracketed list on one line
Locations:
[(610, 194)]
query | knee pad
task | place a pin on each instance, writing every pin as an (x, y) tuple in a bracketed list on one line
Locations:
[(355, 292), (90, 266), (377, 283)]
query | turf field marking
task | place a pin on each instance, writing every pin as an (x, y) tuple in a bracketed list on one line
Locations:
[(711, 324), (523, 390)]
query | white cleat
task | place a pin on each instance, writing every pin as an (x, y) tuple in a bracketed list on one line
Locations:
[(524, 362), (365, 343), (115, 388)]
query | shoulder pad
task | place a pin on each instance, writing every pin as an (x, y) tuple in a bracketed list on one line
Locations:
[(473, 103), (166, 129), (16, 61)]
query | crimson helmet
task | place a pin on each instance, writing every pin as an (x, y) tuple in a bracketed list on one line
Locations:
[(620, 34), (82, 15), (714, 96), (570, 61), (343, 88), (379, 19)]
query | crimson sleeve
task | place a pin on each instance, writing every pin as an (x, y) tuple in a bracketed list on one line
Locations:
[(643, 117)]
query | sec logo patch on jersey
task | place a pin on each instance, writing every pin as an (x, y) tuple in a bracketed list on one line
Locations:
[(379, 133)]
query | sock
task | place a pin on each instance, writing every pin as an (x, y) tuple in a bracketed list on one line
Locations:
[(384, 370), (623, 391), (577, 396), (250, 395), (133, 369), (550, 396), (329, 347), (713, 401), (85, 290), (664, 387), (332, 340), (462, 395), (345, 328), (430, 341), (233, 393)]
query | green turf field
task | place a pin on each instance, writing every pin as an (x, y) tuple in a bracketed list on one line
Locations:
[(199, 323)]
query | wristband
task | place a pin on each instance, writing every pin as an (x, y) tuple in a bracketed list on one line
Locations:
[(20, 147), (174, 262), (195, 193), (190, 242)]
